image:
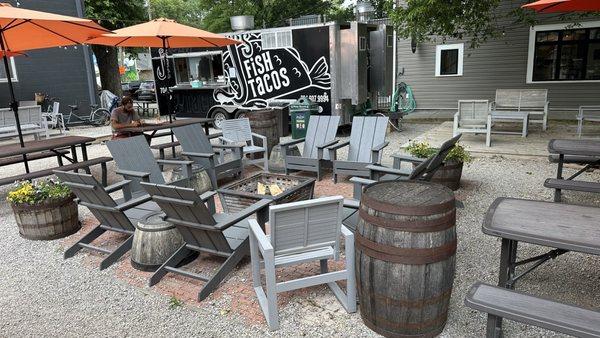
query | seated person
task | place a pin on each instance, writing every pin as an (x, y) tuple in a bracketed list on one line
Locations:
[(124, 116)]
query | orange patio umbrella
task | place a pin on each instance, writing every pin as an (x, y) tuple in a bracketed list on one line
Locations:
[(163, 33), (556, 6), (23, 29)]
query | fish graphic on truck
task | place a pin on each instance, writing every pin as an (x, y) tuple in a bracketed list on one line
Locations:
[(258, 75)]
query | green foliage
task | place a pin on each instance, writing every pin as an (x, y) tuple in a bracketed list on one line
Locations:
[(175, 302), (423, 150), (187, 12), (115, 14), (475, 21), (38, 192)]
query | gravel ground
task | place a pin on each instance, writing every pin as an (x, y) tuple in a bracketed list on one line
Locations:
[(43, 295)]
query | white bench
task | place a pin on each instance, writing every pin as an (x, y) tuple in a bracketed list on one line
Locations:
[(531, 101), (30, 118)]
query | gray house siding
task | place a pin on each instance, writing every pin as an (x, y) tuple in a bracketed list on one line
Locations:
[(500, 63), (63, 74)]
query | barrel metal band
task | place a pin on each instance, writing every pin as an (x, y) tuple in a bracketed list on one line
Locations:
[(427, 210), (435, 326), (409, 256), (438, 224)]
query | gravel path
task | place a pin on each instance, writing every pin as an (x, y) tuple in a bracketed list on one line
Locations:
[(43, 295)]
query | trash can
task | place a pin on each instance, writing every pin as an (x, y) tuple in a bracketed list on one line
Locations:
[(300, 112)]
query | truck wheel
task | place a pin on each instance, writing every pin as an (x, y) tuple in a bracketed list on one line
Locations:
[(219, 115), (242, 114)]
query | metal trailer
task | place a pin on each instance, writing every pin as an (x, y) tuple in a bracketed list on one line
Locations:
[(338, 65)]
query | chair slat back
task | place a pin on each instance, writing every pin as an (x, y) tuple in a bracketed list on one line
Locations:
[(185, 209), (89, 191), (367, 132), (426, 169), (473, 112), (27, 104), (237, 130), (133, 153), (27, 115), (193, 139), (321, 129), (508, 98), (56, 107), (534, 98), (306, 225)]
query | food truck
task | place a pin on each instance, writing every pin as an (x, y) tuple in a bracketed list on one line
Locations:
[(337, 65)]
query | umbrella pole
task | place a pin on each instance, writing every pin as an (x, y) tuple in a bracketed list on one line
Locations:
[(13, 102), (166, 56)]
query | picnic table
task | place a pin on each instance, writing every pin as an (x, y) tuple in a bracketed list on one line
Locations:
[(51, 146), (560, 227), (566, 149), (153, 128)]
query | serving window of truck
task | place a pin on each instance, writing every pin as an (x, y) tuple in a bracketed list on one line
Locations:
[(203, 67)]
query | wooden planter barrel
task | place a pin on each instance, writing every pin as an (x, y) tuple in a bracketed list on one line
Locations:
[(154, 241), (265, 122), (405, 257), (47, 221), (449, 174)]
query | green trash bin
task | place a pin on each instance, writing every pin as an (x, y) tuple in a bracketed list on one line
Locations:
[(300, 112)]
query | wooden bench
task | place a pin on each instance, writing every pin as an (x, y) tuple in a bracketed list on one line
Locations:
[(531, 101), (584, 186), (30, 119), (531, 310), (72, 166), (554, 158), (34, 156)]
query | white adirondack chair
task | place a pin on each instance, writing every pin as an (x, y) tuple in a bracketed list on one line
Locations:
[(473, 116), (55, 118), (238, 130), (302, 232)]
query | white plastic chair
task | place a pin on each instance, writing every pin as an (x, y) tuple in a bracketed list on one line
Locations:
[(54, 118), (473, 116), (238, 130), (587, 113), (302, 232)]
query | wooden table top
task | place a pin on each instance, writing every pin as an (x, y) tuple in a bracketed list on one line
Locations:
[(167, 125), (41, 145), (555, 225), (575, 147)]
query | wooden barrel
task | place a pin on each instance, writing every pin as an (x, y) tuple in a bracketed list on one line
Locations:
[(449, 174), (265, 122), (277, 160), (405, 257), (47, 221), (154, 241)]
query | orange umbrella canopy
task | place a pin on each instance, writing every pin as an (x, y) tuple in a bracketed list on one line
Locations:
[(160, 33), (11, 54), (24, 29), (555, 6)]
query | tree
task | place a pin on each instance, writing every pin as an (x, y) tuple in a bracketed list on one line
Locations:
[(187, 12), (113, 14), (473, 20)]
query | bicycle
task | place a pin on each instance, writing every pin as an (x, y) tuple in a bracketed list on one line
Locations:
[(97, 117)]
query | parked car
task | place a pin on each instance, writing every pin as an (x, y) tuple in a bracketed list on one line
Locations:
[(146, 92), (130, 88)]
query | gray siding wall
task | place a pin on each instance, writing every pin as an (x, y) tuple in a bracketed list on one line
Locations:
[(57, 72), (500, 63)]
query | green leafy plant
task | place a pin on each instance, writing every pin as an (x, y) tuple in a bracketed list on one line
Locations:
[(423, 150), (174, 302), (38, 192)]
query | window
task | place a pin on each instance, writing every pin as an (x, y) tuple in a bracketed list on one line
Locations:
[(449, 60), (280, 39), (13, 71), (362, 43), (558, 54), (390, 41)]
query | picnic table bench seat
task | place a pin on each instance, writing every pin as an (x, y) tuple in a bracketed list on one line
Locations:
[(532, 310), (68, 167), (577, 159), (33, 156), (584, 186)]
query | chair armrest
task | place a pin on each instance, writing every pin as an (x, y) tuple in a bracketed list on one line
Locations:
[(339, 145), (203, 155), (207, 195), (215, 135), (348, 235), (292, 142), (351, 203), (380, 147), (134, 202), (261, 137), (408, 158), (117, 186), (261, 238), (144, 176), (225, 140), (358, 183), (245, 213), (186, 166), (386, 170), (229, 146), (327, 144)]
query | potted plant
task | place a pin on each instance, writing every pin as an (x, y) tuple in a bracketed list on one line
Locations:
[(44, 209), (451, 171)]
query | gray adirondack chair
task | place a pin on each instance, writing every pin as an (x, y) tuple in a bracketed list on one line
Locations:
[(367, 140), (320, 134), (197, 147), (302, 232), (135, 161), (224, 235), (422, 172), (239, 131), (114, 215)]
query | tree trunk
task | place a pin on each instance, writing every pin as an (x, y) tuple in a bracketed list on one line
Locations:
[(108, 66)]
